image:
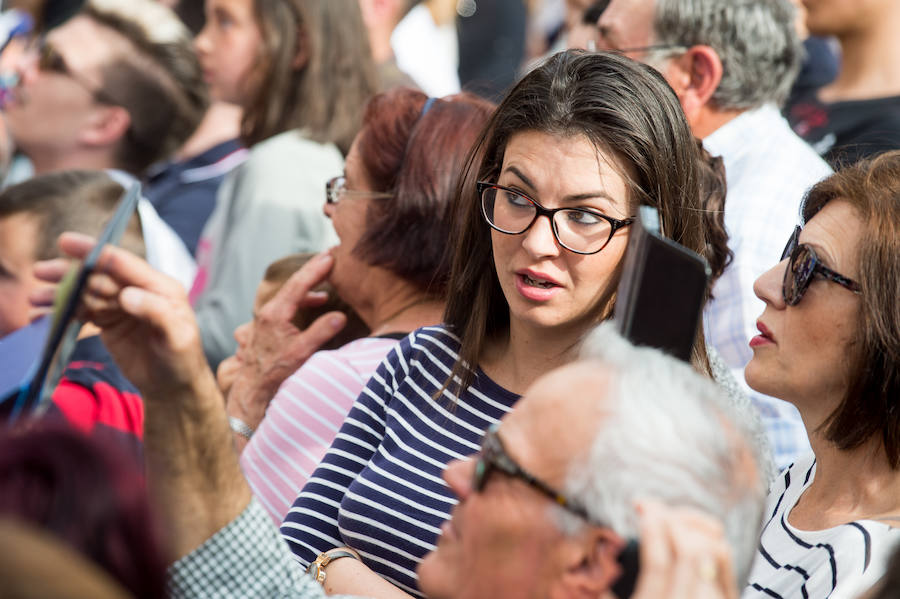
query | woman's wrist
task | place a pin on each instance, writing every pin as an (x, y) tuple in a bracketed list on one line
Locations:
[(317, 569)]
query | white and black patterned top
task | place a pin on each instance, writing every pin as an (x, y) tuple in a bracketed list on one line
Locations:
[(833, 563)]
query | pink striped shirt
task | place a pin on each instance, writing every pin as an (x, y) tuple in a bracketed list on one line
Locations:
[(303, 419)]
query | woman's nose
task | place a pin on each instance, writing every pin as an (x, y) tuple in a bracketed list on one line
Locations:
[(539, 240), (769, 284)]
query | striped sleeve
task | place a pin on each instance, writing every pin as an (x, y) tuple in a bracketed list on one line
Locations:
[(311, 525), (406, 428), (303, 419)]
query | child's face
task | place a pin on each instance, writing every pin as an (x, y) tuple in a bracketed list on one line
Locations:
[(17, 250), (229, 47)]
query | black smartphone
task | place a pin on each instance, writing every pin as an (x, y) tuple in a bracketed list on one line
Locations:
[(660, 297), (628, 560)]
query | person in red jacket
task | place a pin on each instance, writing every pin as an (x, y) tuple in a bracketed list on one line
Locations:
[(92, 394)]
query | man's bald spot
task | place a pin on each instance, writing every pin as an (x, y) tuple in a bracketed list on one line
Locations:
[(556, 421)]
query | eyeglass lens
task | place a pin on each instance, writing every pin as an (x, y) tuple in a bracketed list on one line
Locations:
[(798, 274), (333, 189), (576, 229), (791, 244)]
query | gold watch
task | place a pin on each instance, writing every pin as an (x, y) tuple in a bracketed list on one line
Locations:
[(317, 568)]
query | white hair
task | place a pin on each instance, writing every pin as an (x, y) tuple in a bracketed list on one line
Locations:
[(671, 435)]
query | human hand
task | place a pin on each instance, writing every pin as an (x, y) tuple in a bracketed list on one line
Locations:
[(683, 555), (276, 348), (227, 372), (146, 321), (149, 328)]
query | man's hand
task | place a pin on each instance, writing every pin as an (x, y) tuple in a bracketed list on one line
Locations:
[(149, 328), (147, 323), (276, 347), (683, 555)]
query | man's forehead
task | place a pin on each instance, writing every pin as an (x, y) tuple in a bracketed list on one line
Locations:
[(87, 44), (628, 23), (558, 417)]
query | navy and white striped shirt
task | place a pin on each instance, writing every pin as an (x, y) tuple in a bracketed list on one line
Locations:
[(379, 487), (834, 563)]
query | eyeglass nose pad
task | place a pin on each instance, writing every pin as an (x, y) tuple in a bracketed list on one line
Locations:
[(535, 229)]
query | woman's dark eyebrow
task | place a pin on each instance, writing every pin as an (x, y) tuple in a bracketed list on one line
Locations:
[(521, 176), (572, 198)]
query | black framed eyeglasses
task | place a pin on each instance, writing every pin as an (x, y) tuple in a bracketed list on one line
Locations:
[(579, 230), (803, 265), (493, 457), (336, 189), (50, 60)]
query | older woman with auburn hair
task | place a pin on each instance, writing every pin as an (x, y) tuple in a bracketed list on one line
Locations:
[(391, 211), (829, 343)]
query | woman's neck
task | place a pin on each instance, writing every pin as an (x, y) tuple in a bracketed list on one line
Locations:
[(389, 304), (849, 484), (528, 353)]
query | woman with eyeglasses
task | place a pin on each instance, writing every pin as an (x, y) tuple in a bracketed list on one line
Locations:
[(391, 210), (544, 209), (829, 343)]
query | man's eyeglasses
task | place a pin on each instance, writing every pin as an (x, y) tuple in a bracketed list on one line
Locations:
[(493, 457), (50, 60), (579, 230), (336, 190), (671, 48), (803, 266)]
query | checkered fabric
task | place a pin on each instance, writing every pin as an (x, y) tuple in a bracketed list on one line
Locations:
[(246, 558)]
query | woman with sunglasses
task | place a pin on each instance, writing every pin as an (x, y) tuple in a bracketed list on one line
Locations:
[(545, 206), (829, 343)]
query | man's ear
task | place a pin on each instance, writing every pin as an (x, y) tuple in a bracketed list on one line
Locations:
[(695, 76), (592, 566), (106, 126)]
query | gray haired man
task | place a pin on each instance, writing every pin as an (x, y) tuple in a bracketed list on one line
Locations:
[(621, 425), (732, 63)]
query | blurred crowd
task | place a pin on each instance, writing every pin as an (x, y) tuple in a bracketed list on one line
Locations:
[(359, 335)]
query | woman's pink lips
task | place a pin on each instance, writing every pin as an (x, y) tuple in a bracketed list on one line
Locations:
[(764, 337), (531, 292), (760, 340)]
